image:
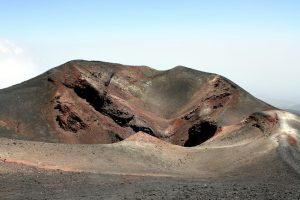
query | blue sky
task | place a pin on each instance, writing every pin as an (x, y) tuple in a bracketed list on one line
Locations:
[(255, 43)]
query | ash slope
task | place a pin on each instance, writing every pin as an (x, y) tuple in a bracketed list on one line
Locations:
[(98, 102)]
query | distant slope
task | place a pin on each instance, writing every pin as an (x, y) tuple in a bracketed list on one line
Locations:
[(295, 111), (295, 108), (290, 106)]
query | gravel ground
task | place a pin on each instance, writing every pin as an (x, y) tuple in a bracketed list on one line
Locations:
[(22, 182)]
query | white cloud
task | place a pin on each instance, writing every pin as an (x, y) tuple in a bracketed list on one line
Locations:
[(15, 64), (8, 47)]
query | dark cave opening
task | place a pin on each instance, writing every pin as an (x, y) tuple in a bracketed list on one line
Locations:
[(102, 104), (122, 119), (200, 133), (91, 95)]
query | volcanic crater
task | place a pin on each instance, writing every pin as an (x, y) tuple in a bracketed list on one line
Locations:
[(97, 102), (96, 119)]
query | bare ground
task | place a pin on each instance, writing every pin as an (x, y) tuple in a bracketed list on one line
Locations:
[(23, 182)]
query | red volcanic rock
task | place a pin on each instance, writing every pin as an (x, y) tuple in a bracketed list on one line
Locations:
[(98, 102)]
